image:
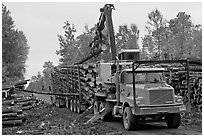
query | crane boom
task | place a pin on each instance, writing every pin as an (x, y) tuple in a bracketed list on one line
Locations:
[(96, 48)]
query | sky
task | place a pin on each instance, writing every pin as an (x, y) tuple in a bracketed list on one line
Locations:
[(41, 22)]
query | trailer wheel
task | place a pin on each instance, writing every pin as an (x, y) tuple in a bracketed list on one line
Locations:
[(96, 107), (78, 106), (71, 105), (75, 106), (173, 120), (67, 103), (129, 120), (52, 100)]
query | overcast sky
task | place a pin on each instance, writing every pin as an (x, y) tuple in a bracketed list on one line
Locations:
[(42, 22)]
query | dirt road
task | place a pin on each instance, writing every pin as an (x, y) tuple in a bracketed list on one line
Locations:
[(50, 120), (156, 128)]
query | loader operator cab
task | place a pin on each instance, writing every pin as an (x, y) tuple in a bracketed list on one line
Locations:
[(126, 55), (129, 54)]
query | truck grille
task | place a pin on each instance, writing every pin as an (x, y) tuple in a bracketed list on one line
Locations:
[(161, 97)]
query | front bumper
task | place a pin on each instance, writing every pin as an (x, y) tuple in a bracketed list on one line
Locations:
[(148, 110)]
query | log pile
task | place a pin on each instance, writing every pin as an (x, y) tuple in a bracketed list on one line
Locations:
[(13, 110), (76, 79), (177, 78)]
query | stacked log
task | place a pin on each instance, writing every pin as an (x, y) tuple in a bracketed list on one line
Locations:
[(76, 79), (13, 111), (177, 78)]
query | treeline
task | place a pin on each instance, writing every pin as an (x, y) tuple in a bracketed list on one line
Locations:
[(14, 50), (176, 38)]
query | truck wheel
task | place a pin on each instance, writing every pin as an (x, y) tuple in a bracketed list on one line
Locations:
[(129, 120), (78, 106), (71, 105), (173, 120), (96, 107)]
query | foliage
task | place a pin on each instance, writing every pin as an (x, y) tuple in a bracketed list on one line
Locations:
[(67, 48), (14, 49), (178, 38), (127, 38), (152, 42)]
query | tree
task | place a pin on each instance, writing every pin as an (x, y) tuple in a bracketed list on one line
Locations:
[(148, 51), (181, 28), (197, 41), (48, 64), (127, 37), (67, 48), (156, 29), (14, 49)]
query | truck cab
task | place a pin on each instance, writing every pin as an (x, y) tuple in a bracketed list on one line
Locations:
[(155, 100)]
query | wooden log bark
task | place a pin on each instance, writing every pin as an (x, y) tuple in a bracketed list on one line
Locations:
[(27, 107), (17, 117), (8, 102), (11, 110), (25, 103), (9, 115), (12, 122)]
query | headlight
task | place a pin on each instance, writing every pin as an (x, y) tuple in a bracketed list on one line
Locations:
[(178, 99)]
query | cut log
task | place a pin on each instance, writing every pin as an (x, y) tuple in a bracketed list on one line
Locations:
[(23, 100), (8, 102), (17, 117), (12, 122), (10, 110), (10, 115), (25, 103), (27, 107)]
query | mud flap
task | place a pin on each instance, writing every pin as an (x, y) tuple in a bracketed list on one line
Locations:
[(105, 111)]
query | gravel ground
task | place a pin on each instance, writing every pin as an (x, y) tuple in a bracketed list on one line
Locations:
[(49, 120)]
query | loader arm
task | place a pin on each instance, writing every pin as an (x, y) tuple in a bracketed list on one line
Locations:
[(105, 19)]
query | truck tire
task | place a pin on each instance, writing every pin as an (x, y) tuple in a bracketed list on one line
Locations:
[(173, 120), (78, 107), (129, 120), (96, 107)]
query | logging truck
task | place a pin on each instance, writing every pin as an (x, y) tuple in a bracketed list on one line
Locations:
[(125, 87)]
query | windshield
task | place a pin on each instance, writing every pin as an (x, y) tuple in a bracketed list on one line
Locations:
[(148, 77)]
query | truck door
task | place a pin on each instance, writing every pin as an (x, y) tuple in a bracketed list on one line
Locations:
[(122, 87)]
